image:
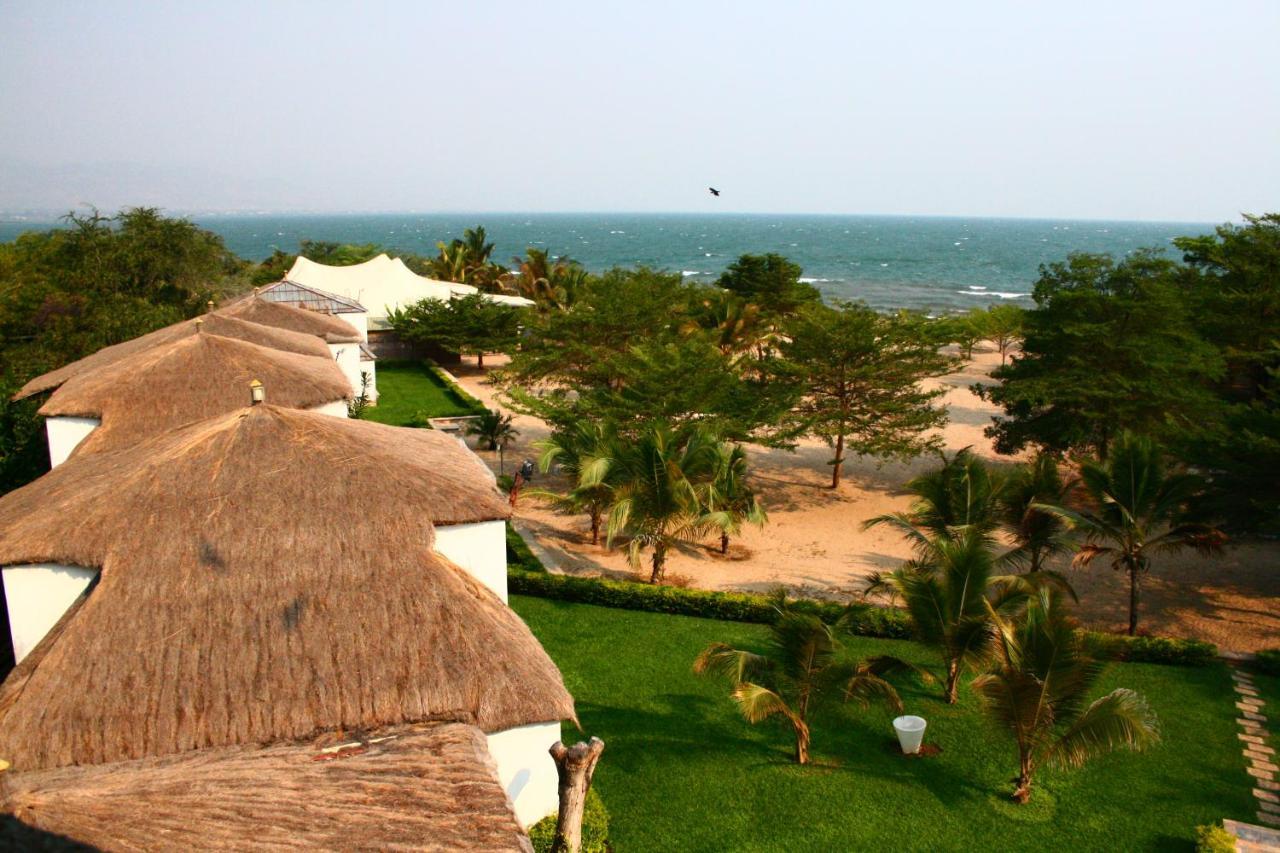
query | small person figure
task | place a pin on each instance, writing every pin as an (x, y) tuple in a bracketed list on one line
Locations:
[(514, 494), (526, 470)]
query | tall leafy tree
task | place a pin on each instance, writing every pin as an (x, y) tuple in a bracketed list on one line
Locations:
[(1002, 325), (99, 281), (770, 282), (1109, 346), (804, 665), (467, 324), (1038, 687), (1135, 508), (859, 373)]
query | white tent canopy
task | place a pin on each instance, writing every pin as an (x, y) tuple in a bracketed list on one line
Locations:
[(383, 283)]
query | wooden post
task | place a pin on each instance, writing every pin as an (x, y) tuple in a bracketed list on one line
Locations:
[(576, 765)]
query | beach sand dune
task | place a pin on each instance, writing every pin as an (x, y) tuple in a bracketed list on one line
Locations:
[(815, 545)]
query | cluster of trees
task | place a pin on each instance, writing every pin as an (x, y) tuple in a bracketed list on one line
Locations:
[(99, 281), (758, 357), (1013, 632), (1185, 352), (663, 489)]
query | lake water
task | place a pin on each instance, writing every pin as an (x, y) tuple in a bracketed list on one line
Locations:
[(930, 263)]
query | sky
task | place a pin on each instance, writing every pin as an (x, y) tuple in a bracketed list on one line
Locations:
[(1109, 110)]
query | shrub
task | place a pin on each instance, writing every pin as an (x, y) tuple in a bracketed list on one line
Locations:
[(595, 828), (1267, 662), (1151, 649), (1212, 838), (867, 621)]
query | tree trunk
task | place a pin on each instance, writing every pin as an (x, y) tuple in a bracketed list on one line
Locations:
[(802, 741), (724, 543), (480, 360), (659, 564), (1022, 792), (595, 527), (838, 462), (953, 681), (1133, 600), (575, 766)]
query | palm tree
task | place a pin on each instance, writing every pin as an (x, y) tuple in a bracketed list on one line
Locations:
[(730, 501), (478, 248), (552, 283), (946, 591), (963, 493), (803, 665), (584, 453), (1037, 533), (493, 428), (1038, 687), (1136, 508), (661, 482)]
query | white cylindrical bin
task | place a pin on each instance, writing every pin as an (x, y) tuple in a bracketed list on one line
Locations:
[(910, 733)]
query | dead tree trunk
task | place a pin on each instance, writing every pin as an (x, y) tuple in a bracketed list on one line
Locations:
[(575, 765)]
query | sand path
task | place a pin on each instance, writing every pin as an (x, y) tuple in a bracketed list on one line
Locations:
[(814, 543)]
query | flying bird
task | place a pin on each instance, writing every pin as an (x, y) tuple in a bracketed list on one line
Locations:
[(715, 192)]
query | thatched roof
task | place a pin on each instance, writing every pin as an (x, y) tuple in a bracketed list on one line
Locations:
[(259, 310), (430, 788), (190, 379), (265, 575), (210, 324)]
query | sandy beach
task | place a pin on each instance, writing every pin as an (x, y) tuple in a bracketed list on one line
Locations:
[(815, 545)]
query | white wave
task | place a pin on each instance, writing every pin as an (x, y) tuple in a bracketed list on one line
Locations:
[(617, 232), (884, 265), (976, 287), (815, 280), (692, 272), (997, 293)]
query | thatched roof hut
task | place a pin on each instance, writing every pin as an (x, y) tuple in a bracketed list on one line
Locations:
[(249, 613), (425, 788), (189, 379), (259, 310), (211, 324)]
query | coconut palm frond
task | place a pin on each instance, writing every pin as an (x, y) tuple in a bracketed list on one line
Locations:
[(759, 703), (1120, 720)]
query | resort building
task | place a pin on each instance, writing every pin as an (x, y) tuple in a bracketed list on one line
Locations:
[(313, 299), (219, 624), (343, 338), (214, 324), (187, 379)]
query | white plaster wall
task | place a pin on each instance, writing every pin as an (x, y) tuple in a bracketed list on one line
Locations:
[(338, 408), (65, 433), (38, 595), (360, 321), (347, 357), (526, 770), (479, 548)]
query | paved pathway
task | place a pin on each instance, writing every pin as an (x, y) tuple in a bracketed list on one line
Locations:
[(1262, 767)]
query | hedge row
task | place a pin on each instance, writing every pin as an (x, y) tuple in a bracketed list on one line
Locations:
[(750, 607), (1267, 661), (464, 398)]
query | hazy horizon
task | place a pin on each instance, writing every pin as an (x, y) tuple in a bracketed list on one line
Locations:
[(1153, 112)]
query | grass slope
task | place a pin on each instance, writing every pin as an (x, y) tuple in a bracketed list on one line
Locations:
[(683, 771), (407, 388)]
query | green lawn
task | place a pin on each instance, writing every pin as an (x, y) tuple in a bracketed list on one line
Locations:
[(682, 771), (407, 388)]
